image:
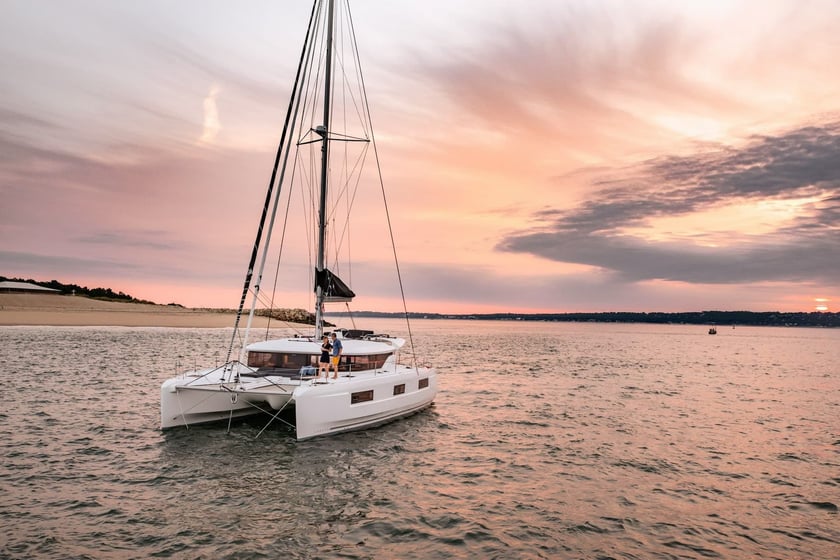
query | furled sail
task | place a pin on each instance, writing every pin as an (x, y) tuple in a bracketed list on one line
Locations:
[(333, 288)]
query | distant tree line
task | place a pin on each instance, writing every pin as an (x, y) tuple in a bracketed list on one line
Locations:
[(725, 318), (96, 293), (285, 315), (720, 318)]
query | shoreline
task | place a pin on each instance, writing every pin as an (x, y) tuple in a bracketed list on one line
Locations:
[(78, 311)]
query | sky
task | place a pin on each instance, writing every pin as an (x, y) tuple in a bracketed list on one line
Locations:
[(539, 156)]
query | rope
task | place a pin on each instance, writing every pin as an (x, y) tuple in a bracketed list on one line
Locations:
[(382, 185), (273, 418), (181, 408), (268, 194), (230, 417)]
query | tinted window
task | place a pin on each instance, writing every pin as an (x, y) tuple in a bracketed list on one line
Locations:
[(361, 396)]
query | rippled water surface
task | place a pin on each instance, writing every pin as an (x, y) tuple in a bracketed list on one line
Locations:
[(546, 441)]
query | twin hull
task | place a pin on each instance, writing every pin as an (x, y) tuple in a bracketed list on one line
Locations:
[(362, 400)]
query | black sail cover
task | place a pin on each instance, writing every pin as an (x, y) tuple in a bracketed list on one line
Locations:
[(333, 288)]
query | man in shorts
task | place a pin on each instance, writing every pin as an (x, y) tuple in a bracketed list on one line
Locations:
[(335, 354)]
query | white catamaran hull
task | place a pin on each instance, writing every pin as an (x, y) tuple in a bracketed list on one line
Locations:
[(321, 407), (363, 401), (200, 399)]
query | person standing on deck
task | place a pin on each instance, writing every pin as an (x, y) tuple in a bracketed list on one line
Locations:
[(324, 361), (336, 355)]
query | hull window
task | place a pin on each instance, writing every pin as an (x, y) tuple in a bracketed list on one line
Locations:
[(361, 396), (399, 389), (423, 383)]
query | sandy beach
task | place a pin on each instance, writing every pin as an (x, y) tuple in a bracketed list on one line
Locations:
[(64, 310)]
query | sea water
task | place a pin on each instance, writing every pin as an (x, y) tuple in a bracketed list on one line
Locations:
[(547, 440)]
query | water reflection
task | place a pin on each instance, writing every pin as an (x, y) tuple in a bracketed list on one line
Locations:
[(545, 441)]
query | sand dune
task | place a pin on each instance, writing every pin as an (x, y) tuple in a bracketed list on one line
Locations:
[(62, 310)]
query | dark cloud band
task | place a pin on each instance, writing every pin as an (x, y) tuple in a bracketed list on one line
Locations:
[(798, 164)]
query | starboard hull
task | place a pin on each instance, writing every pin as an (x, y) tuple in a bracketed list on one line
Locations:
[(341, 406)]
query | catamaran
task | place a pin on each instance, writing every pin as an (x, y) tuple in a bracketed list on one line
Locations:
[(377, 381)]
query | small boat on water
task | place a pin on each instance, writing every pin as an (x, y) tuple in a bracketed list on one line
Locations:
[(377, 381)]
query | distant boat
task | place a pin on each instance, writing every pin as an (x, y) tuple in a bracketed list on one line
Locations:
[(713, 330), (373, 385)]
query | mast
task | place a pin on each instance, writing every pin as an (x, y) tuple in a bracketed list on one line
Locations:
[(323, 131)]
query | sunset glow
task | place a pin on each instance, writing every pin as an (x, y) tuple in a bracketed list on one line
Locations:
[(673, 156)]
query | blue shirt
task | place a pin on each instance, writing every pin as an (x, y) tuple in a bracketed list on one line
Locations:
[(336, 347)]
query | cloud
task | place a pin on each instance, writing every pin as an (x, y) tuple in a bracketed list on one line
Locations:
[(211, 117), (155, 240), (431, 287), (801, 164), (599, 72), (165, 215), (100, 165), (791, 164), (69, 266)]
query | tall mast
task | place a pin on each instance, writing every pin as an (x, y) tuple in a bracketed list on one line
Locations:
[(324, 131)]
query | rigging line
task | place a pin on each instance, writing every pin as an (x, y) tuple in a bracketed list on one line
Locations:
[(355, 171), (349, 195), (308, 170), (274, 417), (314, 80), (337, 137), (307, 206), (308, 165), (337, 187), (311, 92), (261, 298), (366, 125), (296, 98), (341, 59), (305, 183), (306, 189), (350, 314), (282, 243), (181, 409), (325, 160), (230, 417), (268, 382), (222, 367), (344, 173), (282, 240), (351, 199), (210, 394), (382, 187), (258, 240), (341, 137)]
